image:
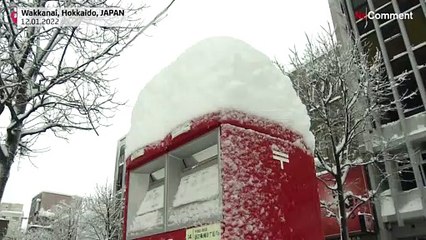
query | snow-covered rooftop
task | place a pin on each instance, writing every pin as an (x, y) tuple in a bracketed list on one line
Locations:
[(214, 74)]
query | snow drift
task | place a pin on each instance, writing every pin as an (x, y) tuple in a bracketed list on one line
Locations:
[(215, 74)]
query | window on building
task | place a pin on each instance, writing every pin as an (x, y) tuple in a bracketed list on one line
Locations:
[(420, 54), (390, 30), (380, 3), (423, 73), (121, 153), (371, 44), (422, 167), (395, 45), (412, 103), (415, 27), (119, 183), (380, 175), (405, 5), (400, 63), (356, 4), (406, 175)]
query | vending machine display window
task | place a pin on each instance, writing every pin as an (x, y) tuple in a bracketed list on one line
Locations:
[(197, 197), (177, 190), (148, 207)]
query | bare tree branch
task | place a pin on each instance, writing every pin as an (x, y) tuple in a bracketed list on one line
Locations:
[(55, 79)]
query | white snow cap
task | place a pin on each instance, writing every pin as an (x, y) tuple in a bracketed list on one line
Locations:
[(216, 73)]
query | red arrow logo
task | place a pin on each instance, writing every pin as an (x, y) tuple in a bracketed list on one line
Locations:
[(360, 15), (14, 17)]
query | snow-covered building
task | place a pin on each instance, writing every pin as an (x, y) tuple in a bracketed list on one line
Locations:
[(42, 208), (120, 162), (12, 214), (220, 148), (401, 208), (119, 175)]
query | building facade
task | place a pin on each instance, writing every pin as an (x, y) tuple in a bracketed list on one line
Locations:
[(42, 206), (119, 174), (396, 28), (119, 177), (12, 215)]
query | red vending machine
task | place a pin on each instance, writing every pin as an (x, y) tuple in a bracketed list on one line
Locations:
[(226, 175)]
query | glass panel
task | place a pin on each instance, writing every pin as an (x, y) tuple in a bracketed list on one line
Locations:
[(395, 46), (414, 104), (422, 169), (145, 210), (400, 63), (416, 28), (372, 44), (420, 55), (154, 200), (158, 175), (390, 29), (206, 154), (404, 5), (119, 184), (357, 4), (406, 177), (197, 198), (122, 150), (423, 74), (201, 156), (381, 175), (379, 3), (149, 216)]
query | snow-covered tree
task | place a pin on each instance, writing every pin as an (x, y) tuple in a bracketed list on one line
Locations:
[(103, 217), (54, 78), (38, 234), (96, 217), (65, 221), (346, 92)]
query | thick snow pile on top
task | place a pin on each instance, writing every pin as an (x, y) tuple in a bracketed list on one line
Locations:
[(216, 73)]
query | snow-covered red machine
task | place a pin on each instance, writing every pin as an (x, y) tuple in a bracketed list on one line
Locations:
[(220, 148), (226, 175)]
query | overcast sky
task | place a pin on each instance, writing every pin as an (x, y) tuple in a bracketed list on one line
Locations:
[(76, 166)]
